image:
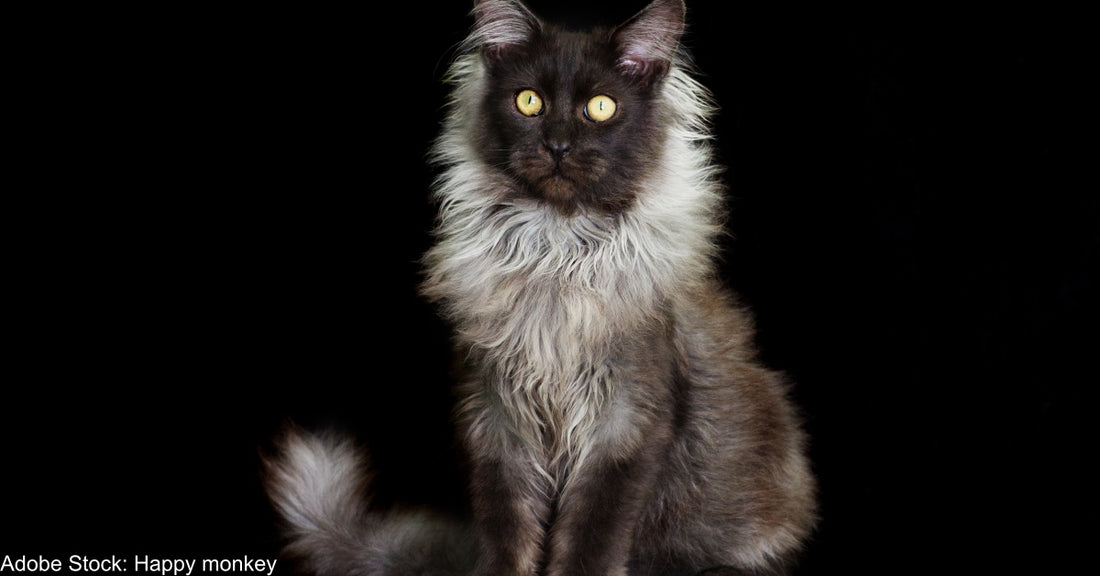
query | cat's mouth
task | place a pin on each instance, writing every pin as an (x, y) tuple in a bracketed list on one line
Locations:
[(558, 182), (557, 187), (565, 182)]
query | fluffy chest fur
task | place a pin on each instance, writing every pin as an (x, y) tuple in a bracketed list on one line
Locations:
[(544, 302), (545, 294)]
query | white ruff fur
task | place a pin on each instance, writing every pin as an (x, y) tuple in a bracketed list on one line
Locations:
[(544, 296)]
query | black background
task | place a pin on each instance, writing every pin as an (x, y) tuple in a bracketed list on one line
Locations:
[(214, 217)]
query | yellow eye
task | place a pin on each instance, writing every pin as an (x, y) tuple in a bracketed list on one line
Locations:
[(600, 108), (529, 103)]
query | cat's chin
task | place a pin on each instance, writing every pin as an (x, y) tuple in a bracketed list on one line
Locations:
[(558, 188), (567, 185), (560, 192)]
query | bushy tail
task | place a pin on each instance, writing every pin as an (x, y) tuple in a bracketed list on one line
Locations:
[(318, 485)]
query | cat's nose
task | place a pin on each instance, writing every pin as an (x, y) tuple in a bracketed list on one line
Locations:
[(558, 148)]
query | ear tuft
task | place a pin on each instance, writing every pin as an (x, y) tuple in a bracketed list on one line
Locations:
[(647, 42), (503, 24)]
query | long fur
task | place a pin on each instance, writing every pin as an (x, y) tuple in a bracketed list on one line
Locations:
[(613, 406)]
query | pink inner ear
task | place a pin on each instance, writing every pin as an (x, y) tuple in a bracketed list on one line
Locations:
[(633, 65)]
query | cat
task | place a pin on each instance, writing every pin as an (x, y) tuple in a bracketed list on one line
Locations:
[(615, 415)]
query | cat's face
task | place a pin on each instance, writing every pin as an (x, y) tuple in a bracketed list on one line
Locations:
[(567, 125), (567, 119)]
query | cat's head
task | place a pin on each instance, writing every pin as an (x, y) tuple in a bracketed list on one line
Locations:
[(574, 118)]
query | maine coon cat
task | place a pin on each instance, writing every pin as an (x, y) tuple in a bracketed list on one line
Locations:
[(615, 416)]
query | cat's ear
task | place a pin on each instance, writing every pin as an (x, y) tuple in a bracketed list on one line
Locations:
[(647, 42), (503, 24)]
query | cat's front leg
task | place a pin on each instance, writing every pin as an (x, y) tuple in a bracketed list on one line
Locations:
[(510, 512), (603, 499), (594, 531), (509, 495)]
